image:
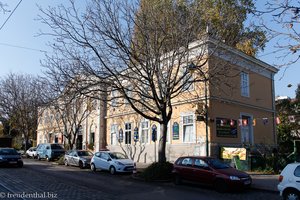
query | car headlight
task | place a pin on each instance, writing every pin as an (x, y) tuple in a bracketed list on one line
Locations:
[(119, 163), (234, 178), (1, 158)]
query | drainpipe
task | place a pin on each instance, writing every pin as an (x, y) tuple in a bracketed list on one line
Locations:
[(274, 110)]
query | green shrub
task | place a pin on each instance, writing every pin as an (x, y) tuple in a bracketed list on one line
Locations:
[(158, 171), (60, 161)]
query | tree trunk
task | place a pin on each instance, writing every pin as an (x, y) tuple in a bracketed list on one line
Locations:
[(162, 142), (70, 144)]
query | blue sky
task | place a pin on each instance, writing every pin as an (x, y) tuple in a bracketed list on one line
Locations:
[(22, 28)]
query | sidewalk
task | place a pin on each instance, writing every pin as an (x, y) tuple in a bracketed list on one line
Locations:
[(259, 181)]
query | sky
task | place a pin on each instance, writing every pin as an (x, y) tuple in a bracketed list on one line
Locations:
[(21, 49)]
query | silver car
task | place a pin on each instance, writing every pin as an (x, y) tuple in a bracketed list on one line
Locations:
[(81, 158)]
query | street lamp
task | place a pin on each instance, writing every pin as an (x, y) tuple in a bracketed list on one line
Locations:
[(192, 68)]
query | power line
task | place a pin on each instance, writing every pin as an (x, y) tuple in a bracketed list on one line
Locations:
[(21, 47), (10, 14)]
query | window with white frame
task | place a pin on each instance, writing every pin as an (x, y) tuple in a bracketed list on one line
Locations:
[(113, 134), (144, 131), (188, 128), (127, 133), (245, 84)]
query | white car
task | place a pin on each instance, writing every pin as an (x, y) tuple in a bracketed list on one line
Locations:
[(289, 182), (112, 161), (31, 152)]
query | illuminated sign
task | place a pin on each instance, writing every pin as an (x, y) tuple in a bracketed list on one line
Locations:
[(230, 152)]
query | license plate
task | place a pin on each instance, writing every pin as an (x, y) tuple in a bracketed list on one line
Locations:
[(12, 162)]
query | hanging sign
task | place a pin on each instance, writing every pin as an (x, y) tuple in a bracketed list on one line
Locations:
[(121, 135), (136, 134), (226, 127), (154, 133), (175, 131)]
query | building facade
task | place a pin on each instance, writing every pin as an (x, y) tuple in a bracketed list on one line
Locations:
[(232, 110), (54, 124)]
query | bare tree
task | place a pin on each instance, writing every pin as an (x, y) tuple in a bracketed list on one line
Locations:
[(2, 7), (127, 54), (65, 110), (281, 20), (20, 97)]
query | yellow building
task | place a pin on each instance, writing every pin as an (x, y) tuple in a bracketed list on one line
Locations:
[(54, 124), (232, 109)]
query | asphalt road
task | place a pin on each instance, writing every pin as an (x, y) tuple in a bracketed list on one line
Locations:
[(43, 180)]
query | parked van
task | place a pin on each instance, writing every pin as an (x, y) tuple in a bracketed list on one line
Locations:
[(49, 151)]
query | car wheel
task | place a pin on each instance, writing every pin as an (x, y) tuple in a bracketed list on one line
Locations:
[(220, 186), (80, 165), (48, 159), (112, 170), (93, 167), (177, 179), (66, 162), (38, 157), (291, 195), (20, 164)]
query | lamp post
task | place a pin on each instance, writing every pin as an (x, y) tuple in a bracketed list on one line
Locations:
[(192, 68)]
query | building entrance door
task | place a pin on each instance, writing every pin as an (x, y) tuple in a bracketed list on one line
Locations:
[(246, 130)]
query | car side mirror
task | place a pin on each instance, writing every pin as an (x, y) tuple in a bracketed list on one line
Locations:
[(109, 159)]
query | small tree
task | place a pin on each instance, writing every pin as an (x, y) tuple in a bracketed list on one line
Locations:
[(67, 114)]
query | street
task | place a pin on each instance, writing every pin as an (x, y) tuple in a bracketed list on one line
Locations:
[(43, 180)]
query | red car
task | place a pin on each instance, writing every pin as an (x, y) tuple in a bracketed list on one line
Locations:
[(210, 171)]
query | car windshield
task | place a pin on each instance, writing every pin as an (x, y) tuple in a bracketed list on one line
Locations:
[(84, 153), (217, 164), (8, 152), (117, 155), (56, 146)]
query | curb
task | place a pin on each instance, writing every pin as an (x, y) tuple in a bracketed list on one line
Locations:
[(264, 189), (252, 187)]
